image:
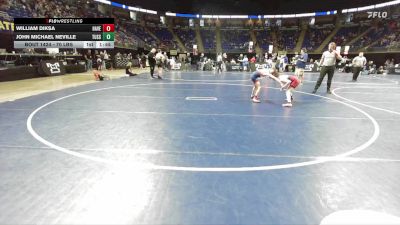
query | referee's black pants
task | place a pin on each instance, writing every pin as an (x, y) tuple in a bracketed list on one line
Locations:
[(356, 72), (152, 66), (330, 70)]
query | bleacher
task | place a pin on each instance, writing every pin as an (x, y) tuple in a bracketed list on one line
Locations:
[(140, 32), (234, 35), (315, 36), (391, 39), (346, 34), (5, 16), (235, 40), (165, 36), (209, 41), (369, 38), (18, 12), (264, 39), (287, 39), (188, 36)]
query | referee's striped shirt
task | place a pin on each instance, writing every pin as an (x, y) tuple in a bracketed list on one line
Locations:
[(329, 58)]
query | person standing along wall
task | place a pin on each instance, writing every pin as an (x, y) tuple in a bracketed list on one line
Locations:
[(224, 62), (219, 63), (152, 61), (301, 64), (327, 63), (358, 64), (89, 62), (159, 62)]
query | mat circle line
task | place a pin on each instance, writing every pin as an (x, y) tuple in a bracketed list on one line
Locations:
[(319, 160)]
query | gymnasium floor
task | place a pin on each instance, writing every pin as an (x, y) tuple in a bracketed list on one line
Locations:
[(193, 149)]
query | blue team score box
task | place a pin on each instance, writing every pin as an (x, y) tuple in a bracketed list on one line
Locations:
[(64, 44)]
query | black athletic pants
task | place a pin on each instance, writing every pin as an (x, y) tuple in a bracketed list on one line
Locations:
[(325, 70), (219, 67), (152, 66), (130, 73), (356, 72)]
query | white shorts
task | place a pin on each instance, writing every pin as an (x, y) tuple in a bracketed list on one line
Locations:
[(299, 72)]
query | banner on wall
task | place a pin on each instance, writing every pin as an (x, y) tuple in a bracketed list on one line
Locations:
[(6, 25), (263, 66), (311, 67), (270, 49), (251, 44), (346, 50), (176, 66), (195, 50), (396, 71), (51, 68)]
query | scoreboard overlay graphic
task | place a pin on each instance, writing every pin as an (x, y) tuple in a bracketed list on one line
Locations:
[(64, 33)]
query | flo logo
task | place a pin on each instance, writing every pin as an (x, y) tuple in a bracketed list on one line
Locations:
[(377, 14), (309, 67), (54, 68)]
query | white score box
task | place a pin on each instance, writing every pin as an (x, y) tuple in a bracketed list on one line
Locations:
[(89, 44), (104, 44)]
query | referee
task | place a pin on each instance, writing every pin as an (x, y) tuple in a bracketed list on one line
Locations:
[(358, 64), (152, 61), (327, 63)]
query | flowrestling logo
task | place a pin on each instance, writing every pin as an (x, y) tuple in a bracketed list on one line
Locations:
[(263, 66), (377, 14), (54, 68), (309, 67)]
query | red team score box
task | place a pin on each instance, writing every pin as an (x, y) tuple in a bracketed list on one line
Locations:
[(103, 28), (108, 27)]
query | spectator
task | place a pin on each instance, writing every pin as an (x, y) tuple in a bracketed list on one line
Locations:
[(166, 62), (201, 62), (219, 63), (245, 63), (301, 64), (99, 63), (381, 70), (89, 58), (159, 62), (188, 61), (143, 61), (152, 61), (128, 69), (387, 64)]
